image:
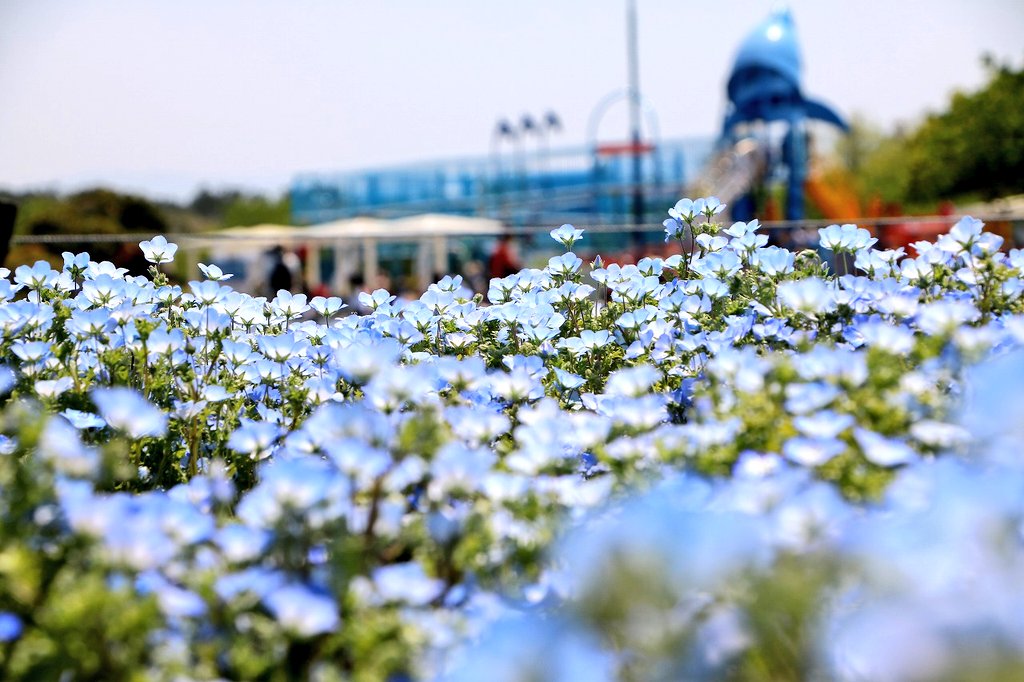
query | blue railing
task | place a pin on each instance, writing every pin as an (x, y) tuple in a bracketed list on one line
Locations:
[(519, 188)]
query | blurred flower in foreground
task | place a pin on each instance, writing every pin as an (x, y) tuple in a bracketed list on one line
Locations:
[(124, 409)]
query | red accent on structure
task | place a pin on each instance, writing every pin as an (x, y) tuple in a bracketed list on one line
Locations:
[(620, 148)]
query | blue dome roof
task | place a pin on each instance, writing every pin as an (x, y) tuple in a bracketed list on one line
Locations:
[(772, 46)]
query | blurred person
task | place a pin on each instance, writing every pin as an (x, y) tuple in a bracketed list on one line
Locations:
[(474, 277), (281, 269), (130, 256), (504, 259)]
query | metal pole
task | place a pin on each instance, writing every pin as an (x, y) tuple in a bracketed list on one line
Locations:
[(634, 120)]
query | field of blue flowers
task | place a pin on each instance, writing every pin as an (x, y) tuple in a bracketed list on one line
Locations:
[(727, 464)]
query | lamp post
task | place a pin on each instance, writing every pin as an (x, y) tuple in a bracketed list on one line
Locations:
[(527, 126), (634, 120), (552, 124), (539, 127), (502, 130)]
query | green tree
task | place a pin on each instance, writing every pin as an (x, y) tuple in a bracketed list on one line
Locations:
[(211, 204), (255, 210), (95, 211), (976, 146)]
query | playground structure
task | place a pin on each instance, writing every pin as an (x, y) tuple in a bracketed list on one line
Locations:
[(763, 142), (618, 190), (591, 184), (764, 138)]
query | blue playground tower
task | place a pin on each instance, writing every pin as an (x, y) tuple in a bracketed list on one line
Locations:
[(764, 86)]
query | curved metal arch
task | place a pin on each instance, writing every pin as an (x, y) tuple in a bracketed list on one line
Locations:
[(601, 108)]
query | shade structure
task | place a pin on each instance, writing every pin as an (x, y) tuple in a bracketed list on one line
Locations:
[(354, 242)]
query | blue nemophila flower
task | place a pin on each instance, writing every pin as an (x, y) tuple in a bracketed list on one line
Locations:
[(61, 446), (302, 610), (650, 266), (288, 304), (208, 321), (883, 451), (75, 262), (448, 283), (846, 238), (239, 543), (720, 264), (945, 317), (457, 467), (568, 380), (158, 250), (10, 626), (570, 291), (823, 424), (810, 296), (739, 229), (406, 583), (939, 435), (327, 306), (213, 272), (461, 374), (51, 388), (397, 385), (164, 341), (281, 347), (713, 242), (516, 386), (207, 292), (8, 290), (359, 363), (124, 409), (811, 518), (257, 581), (711, 286), (94, 270), (664, 537), (83, 420), (564, 265), (37, 276), (406, 332), (476, 425), (168, 295), (31, 351), (587, 342), (878, 263), (529, 646), (709, 206), (306, 486), (673, 229), (887, 337), (174, 600), (812, 452), (378, 298), (684, 211), (773, 260), (104, 290), (254, 438), (632, 381), (966, 232), (438, 300), (567, 235)]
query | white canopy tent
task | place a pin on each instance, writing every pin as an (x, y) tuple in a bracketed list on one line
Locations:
[(354, 242)]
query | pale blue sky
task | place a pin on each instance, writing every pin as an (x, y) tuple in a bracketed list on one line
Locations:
[(164, 95)]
